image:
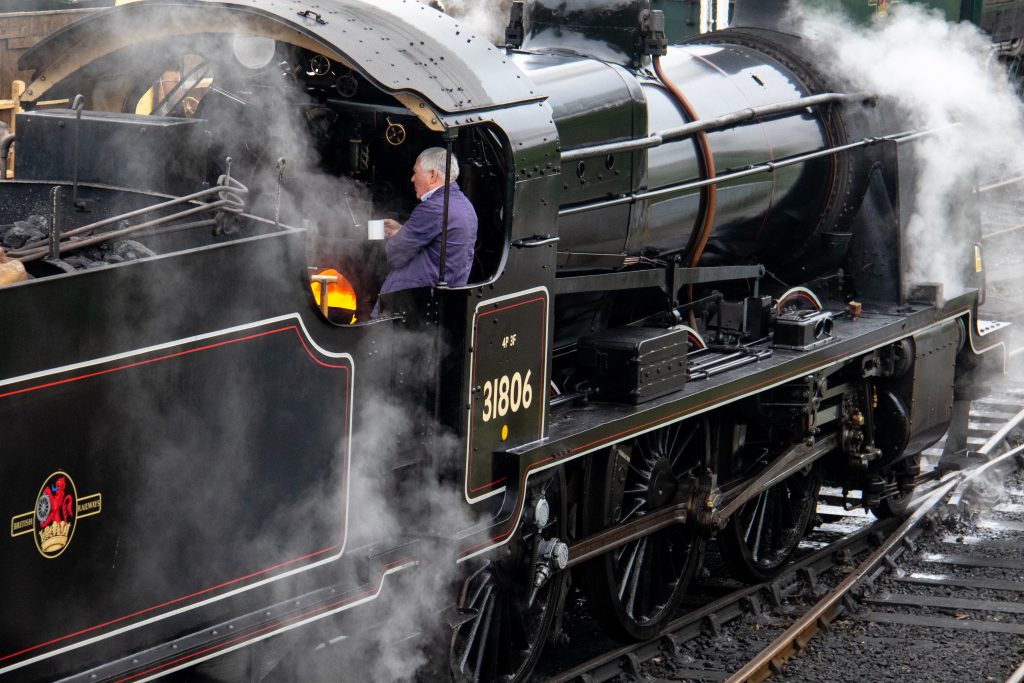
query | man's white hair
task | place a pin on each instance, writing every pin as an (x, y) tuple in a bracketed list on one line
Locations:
[(433, 159)]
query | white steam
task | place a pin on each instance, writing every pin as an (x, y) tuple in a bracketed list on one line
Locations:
[(487, 17), (938, 74)]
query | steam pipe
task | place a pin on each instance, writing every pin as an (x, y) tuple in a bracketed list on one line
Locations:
[(709, 125), (5, 150)]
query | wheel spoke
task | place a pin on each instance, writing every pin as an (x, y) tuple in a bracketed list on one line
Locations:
[(638, 571), (627, 573), (684, 448), (504, 640), (636, 508), (758, 502), (762, 501), (471, 636), (485, 616)]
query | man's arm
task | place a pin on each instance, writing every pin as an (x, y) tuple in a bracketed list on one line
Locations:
[(420, 230)]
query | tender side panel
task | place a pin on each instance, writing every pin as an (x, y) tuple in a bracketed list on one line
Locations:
[(201, 472)]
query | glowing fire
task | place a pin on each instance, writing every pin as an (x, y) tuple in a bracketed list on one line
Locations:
[(340, 294)]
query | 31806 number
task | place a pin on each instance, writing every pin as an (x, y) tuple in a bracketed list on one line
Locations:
[(504, 395)]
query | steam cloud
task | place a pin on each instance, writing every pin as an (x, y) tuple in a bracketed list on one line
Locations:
[(937, 74), (488, 17)]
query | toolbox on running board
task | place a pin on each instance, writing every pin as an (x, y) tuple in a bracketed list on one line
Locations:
[(635, 364)]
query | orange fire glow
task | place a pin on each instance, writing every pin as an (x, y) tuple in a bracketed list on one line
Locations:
[(340, 294)]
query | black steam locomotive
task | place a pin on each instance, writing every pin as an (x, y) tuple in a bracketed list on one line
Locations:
[(686, 313)]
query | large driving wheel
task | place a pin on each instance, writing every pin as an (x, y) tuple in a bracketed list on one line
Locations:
[(637, 587), (762, 534), (512, 615)]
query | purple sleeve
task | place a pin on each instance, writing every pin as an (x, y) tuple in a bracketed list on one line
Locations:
[(419, 231)]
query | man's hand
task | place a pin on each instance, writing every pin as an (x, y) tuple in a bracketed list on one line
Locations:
[(391, 227)]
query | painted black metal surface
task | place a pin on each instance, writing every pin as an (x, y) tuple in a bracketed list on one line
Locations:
[(405, 46), (196, 404)]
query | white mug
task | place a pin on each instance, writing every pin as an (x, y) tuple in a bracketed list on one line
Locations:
[(375, 230)]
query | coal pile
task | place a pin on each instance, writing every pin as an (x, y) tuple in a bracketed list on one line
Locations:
[(116, 251), (36, 229), (18, 234)]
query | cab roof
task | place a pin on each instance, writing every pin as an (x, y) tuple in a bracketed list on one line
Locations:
[(402, 46)]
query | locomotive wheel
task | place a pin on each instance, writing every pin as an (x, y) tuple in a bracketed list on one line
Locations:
[(763, 533), (637, 587), (504, 639), (897, 504)]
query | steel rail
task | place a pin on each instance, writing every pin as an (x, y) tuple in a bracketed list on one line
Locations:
[(972, 476), (987, 236), (795, 638), (771, 658), (1001, 183), (687, 627), (1000, 435), (727, 605), (1017, 676)]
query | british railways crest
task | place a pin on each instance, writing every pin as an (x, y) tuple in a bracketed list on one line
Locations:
[(57, 511)]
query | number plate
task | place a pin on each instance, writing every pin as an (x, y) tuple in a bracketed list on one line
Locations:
[(508, 382)]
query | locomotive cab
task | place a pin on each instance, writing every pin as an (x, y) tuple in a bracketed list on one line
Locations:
[(316, 143)]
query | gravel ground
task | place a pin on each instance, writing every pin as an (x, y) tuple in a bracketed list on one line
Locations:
[(859, 649)]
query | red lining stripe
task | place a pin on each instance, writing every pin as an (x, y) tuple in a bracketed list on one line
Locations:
[(169, 356), (348, 408)]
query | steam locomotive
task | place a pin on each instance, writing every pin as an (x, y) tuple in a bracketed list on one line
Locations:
[(687, 311)]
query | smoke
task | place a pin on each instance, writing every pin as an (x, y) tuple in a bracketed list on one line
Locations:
[(394, 493), (940, 76), (487, 17), (189, 440)]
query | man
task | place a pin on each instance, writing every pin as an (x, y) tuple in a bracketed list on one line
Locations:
[(414, 249)]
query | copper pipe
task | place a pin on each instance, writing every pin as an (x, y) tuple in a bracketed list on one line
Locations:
[(709, 194), (709, 198)]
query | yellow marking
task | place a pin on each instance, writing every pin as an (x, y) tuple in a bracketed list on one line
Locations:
[(89, 505), (22, 524), (977, 258), (504, 432)]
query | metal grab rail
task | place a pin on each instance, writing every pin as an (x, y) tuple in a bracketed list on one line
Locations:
[(708, 125), (754, 169)]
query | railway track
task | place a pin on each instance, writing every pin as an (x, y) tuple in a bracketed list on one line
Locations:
[(950, 567)]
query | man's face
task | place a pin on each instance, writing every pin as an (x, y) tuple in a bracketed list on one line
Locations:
[(424, 181)]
